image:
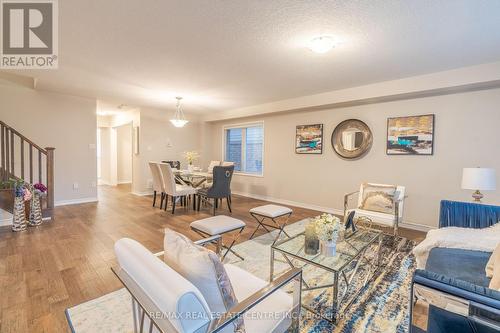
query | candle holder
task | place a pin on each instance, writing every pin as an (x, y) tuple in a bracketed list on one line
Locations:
[(311, 240)]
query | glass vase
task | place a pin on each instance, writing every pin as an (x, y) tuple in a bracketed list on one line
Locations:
[(328, 248), (311, 241)]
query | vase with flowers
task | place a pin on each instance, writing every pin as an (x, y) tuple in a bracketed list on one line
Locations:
[(35, 218), (327, 229), (190, 157)]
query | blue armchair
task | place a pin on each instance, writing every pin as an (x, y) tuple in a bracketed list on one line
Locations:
[(452, 294)]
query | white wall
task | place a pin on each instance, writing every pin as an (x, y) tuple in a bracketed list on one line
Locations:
[(466, 134), (124, 154), (65, 122), (105, 155), (160, 140)]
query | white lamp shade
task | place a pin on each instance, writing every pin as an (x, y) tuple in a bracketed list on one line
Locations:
[(483, 179)]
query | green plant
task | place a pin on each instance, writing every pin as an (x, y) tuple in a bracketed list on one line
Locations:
[(12, 183)]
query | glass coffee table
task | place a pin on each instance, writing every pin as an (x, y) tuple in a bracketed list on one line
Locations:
[(352, 253)]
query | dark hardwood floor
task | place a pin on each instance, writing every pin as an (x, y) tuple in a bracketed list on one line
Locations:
[(67, 261)]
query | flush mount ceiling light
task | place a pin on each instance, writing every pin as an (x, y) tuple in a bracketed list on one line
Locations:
[(179, 119), (322, 44)]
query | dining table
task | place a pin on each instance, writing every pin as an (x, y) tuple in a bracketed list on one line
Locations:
[(192, 178)]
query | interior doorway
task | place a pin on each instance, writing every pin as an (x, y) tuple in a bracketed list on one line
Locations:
[(115, 155), (124, 154)]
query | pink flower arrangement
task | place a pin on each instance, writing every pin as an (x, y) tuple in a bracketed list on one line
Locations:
[(27, 195)]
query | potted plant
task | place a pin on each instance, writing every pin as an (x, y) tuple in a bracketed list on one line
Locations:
[(7, 196), (190, 157), (327, 229)]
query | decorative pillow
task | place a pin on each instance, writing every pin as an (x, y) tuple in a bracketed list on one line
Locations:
[(495, 256), (378, 198), (495, 279), (202, 268)]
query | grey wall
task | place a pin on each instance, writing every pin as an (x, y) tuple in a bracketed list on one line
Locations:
[(466, 134)]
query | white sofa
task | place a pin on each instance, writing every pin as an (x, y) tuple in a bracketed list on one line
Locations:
[(164, 301)]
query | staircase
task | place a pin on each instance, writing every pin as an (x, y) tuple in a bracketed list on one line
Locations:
[(21, 158)]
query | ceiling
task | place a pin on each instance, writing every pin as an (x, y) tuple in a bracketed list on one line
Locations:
[(222, 54)]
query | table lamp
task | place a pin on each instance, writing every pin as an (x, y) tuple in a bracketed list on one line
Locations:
[(478, 179)]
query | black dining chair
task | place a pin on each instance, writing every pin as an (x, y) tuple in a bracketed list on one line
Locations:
[(221, 187)]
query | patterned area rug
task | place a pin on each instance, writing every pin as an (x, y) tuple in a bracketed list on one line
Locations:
[(381, 306)]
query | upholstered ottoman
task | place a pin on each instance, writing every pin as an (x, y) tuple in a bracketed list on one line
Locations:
[(219, 225), (279, 215)]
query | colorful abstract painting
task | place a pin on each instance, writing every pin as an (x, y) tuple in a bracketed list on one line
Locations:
[(309, 139), (413, 135)]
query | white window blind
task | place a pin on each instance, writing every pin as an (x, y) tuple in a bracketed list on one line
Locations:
[(244, 145)]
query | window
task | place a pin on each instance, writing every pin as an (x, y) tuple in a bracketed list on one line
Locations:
[(244, 145)]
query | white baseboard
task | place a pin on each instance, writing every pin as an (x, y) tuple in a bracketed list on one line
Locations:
[(416, 226), (75, 201), (143, 194), (124, 182), (291, 203), (407, 225)]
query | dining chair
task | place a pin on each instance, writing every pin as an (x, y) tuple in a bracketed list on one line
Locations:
[(175, 190), (212, 165), (176, 165), (220, 189), (227, 163), (157, 182), (208, 183), (173, 164)]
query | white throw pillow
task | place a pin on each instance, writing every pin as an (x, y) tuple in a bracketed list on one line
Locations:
[(202, 268), (378, 198), (495, 279)]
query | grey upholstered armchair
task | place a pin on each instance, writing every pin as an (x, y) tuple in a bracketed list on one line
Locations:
[(220, 189)]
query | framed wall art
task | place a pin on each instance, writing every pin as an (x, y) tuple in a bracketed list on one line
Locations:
[(412, 135), (309, 139)]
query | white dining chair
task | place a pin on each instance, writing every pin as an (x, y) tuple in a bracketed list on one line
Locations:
[(174, 190), (212, 165), (227, 163), (157, 182)]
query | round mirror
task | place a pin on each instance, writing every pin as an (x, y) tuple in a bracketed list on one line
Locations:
[(352, 139)]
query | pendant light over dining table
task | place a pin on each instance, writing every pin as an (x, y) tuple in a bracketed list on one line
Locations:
[(179, 119)]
